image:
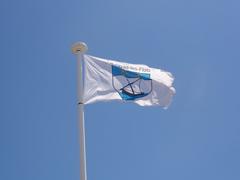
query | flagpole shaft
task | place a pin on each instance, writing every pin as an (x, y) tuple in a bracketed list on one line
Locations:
[(83, 168), (79, 49)]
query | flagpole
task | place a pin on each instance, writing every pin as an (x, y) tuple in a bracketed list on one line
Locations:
[(79, 49)]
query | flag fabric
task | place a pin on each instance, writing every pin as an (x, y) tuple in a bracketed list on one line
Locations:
[(106, 80)]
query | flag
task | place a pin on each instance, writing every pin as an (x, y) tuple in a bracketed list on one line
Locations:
[(106, 80)]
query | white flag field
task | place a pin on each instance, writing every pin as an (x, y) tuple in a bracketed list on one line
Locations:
[(107, 80)]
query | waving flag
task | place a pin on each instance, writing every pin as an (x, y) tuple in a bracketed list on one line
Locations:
[(106, 80)]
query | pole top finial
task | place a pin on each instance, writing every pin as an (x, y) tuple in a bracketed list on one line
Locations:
[(79, 47)]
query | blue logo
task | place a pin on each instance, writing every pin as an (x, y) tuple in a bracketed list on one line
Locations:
[(131, 85)]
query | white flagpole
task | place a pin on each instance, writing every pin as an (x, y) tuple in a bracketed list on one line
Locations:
[(79, 49)]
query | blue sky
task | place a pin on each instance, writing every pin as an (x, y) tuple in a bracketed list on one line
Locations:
[(198, 137)]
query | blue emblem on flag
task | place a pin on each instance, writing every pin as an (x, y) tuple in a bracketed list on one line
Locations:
[(131, 85)]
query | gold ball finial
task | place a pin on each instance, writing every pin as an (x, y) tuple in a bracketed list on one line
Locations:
[(79, 47)]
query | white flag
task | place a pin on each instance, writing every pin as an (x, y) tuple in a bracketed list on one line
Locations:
[(106, 80)]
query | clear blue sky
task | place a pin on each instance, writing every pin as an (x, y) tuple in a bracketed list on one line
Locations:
[(197, 138)]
